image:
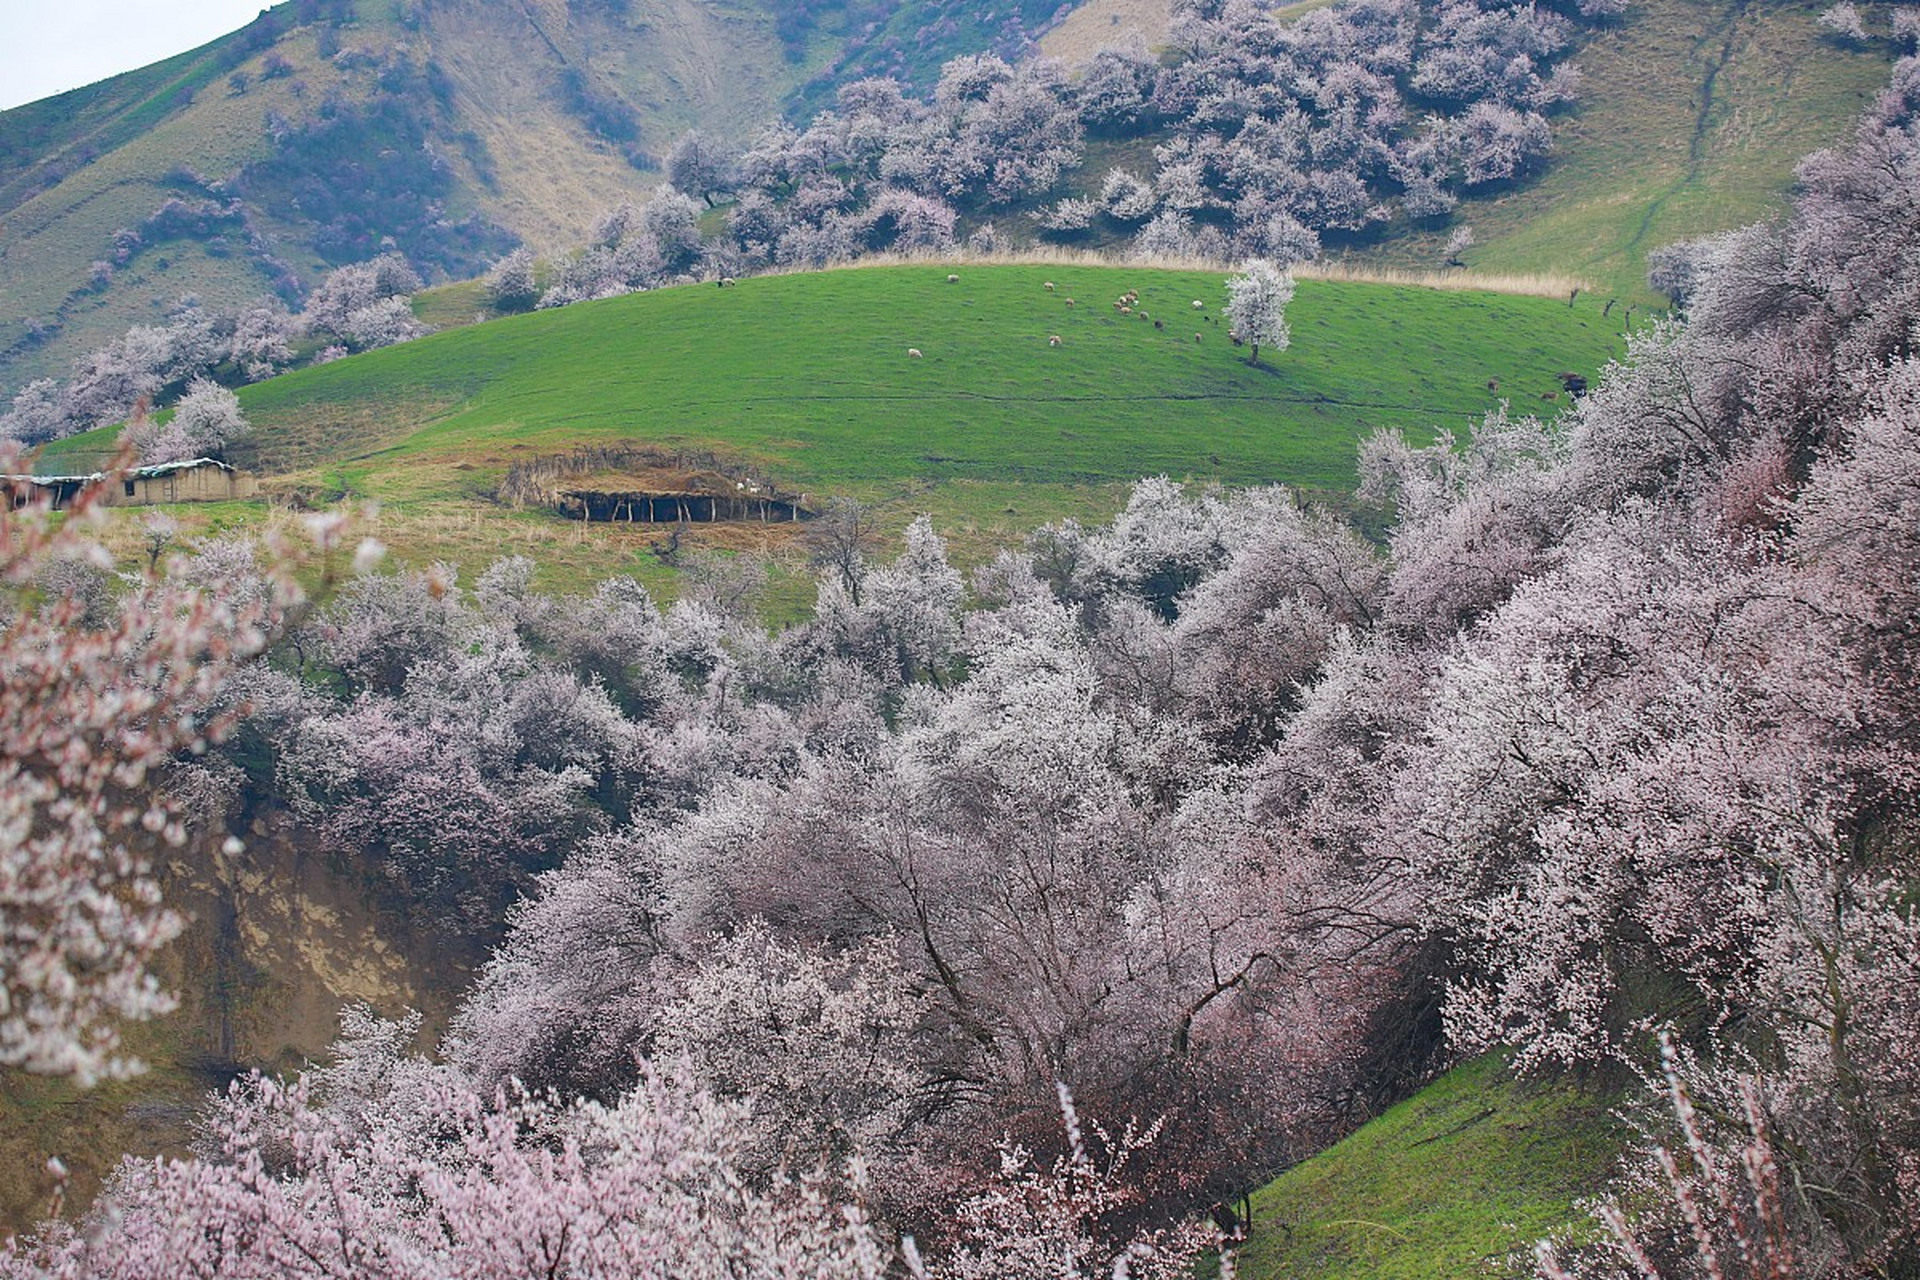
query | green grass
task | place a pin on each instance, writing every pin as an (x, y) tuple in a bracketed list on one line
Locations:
[(806, 377), (453, 306), (1693, 115), (1458, 1180)]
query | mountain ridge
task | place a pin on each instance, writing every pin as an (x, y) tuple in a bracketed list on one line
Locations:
[(452, 129)]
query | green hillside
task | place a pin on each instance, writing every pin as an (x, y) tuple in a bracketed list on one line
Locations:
[(1458, 1180), (806, 379), (454, 127), (809, 375), (1692, 116)]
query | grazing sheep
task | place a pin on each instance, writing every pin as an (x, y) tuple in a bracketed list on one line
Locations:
[(1048, 286), (726, 282), (1069, 301), (953, 279), (1054, 341), (1126, 311), (1196, 337), (1493, 384), (913, 353), (1199, 305), (1238, 341)]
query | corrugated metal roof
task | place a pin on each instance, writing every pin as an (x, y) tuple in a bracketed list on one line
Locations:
[(136, 473)]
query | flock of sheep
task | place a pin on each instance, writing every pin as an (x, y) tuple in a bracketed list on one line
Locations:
[(1127, 304)]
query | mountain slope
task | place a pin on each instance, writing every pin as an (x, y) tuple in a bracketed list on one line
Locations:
[(327, 129), (1693, 115), (330, 128)]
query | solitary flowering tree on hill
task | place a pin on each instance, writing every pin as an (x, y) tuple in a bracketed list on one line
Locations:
[(1257, 301)]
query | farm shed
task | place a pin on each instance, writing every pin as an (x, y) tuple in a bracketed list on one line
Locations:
[(642, 484), (193, 480)]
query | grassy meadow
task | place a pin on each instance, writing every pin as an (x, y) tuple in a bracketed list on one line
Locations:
[(1455, 1181), (806, 378)]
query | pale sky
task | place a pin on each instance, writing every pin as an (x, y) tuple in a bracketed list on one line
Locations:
[(50, 46)]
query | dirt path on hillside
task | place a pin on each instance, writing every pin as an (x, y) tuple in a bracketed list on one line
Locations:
[(1718, 43)]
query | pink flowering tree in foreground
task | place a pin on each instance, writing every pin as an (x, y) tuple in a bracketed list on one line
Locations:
[(387, 1165), (90, 708), (103, 683), (1707, 1204)]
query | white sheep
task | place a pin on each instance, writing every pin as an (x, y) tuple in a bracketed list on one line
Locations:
[(953, 279), (913, 353), (1069, 301), (1048, 286), (1054, 341), (1199, 305)]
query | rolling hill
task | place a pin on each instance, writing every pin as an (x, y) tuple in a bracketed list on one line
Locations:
[(806, 379)]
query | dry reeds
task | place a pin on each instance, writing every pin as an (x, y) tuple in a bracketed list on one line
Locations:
[(1533, 285), (1537, 285)]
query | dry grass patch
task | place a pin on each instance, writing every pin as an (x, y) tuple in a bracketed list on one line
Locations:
[(1104, 24), (1541, 284)]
